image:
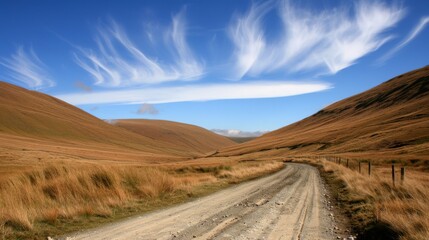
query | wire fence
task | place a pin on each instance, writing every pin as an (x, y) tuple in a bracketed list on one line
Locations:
[(366, 167)]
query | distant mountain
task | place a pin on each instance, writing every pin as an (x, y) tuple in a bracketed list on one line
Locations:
[(183, 136), (390, 120)]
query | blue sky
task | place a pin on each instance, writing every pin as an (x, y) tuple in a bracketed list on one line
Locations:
[(228, 65)]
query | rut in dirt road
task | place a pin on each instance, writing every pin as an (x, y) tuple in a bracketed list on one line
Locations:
[(289, 204)]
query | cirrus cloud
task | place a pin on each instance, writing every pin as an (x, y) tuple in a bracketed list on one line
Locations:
[(119, 62), (424, 21), (25, 67), (325, 41)]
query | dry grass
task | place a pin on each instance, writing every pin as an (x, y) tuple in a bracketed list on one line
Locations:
[(67, 191), (249, 170), (404, 206), (70, 192)]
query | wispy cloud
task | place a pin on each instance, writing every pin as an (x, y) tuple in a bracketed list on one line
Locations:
[(238, 133), (413, 34), (118, 61), (146, 108), (245, 90), (187, 66), (26, 68), (248, 38), (325, 41)]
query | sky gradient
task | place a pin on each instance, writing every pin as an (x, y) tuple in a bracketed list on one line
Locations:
[(226, 65)]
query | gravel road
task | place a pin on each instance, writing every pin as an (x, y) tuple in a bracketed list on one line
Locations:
[(289, 204)]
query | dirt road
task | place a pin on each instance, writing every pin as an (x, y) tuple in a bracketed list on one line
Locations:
[(289, 204)]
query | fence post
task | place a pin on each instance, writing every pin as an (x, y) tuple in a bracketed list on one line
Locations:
[(402, 174), (369, 168), (347, 163), (359, 167), (393, 173)]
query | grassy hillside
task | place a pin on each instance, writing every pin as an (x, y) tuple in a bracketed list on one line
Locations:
[(36, 129), (32, 114), (389, 121), (183, 136)]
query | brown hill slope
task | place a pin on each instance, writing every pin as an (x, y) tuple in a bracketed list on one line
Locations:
[(36, 115), (389, 120), (185, 136), (38, 128)]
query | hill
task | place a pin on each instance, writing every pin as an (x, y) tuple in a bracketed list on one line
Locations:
[(36, 128), (183, 136), (33, 114), (390, 120)]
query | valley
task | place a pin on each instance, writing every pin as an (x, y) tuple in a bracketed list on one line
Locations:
[(66, 173)]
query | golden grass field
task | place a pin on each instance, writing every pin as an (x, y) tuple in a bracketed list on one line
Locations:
[(47, 200)]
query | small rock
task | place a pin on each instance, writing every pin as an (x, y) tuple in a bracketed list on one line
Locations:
[(194, 236), (49, 238)]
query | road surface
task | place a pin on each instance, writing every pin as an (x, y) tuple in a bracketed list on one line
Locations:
[(289, 204)]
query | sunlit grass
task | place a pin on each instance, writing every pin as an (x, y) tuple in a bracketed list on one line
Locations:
[(69, 192)]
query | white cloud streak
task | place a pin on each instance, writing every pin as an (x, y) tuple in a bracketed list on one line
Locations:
[(119, 62), (248, 38), (27, 68), (186, 64), (424, 21), (248, 90), (328, 41)]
